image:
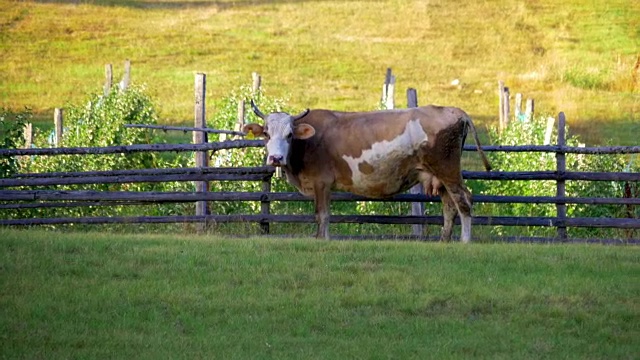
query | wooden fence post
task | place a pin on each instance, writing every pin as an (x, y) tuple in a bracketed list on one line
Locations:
[(28, 139), (549, 130), (126, 79), (108, 81), (257, 82), (561, 208), (506, 107), (517, 111), (241, 115), (57, 126), (501, 120), (388, 90), (528, 113), (28, 135), (265, 204), (199, 137), (417, 208)]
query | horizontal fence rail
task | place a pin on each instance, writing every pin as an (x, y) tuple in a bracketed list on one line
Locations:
[(265, 170), (355, 219), (259, 173), (237, 144), (141, 175), (128, 149), (600, 150), (551, 175), (162, 197), (185, 129)]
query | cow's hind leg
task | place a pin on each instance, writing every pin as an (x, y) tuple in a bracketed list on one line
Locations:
[(449, 211), (461, 198), (432, 187)]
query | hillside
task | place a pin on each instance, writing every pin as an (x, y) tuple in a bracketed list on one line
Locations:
[(569, 56)]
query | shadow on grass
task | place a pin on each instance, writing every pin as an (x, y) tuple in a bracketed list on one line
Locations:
[(222, 5), (595, 132), (592, 132)]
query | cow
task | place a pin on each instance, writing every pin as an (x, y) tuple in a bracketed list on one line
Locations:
[(375, 154)]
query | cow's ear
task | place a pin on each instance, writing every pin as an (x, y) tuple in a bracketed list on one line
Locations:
[(255, 129), (303, 131)]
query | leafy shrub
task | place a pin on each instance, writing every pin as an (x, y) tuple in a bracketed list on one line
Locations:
[(11, 137), (533, 133), (613, 189), (101, 123)]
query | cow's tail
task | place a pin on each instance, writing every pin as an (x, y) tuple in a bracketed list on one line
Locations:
[(485, 161)]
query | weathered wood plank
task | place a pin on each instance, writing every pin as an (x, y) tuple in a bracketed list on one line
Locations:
[(265, 170), (158, 197), (354, 219), (238, 144), (557, 148), (201, 157), (551, 175), (128, 179), (189, 174), (185, 129), (128, 149)]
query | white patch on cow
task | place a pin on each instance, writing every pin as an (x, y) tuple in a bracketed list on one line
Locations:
[(384, 158)]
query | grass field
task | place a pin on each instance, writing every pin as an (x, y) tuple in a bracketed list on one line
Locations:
[(572, 56), (78, 295)]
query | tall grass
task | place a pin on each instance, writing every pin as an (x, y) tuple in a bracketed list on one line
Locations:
[(572, 56), (78, 295)]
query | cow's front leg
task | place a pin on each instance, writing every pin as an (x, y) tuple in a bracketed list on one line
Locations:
[(322, 201)]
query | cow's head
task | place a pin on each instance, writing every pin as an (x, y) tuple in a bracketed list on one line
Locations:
[(279, 129)]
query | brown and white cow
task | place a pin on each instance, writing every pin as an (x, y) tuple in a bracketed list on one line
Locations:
[(375, 154)]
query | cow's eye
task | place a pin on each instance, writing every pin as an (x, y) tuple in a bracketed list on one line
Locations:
[(266, 135), (290, 136)]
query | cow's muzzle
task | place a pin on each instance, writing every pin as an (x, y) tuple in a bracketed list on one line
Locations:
[(276, 160)]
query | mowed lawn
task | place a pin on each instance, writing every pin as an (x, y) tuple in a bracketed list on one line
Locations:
[(87, 295)]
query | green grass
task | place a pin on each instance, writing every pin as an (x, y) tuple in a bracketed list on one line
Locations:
[(571, 56), (79, 295)]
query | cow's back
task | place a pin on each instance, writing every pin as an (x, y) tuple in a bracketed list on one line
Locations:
[(373, 154)]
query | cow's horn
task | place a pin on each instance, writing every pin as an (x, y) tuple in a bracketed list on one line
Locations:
[(301, 115), (257, 111)]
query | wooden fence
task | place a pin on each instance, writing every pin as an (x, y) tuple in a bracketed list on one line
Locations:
[(29, 198), (20, 191)]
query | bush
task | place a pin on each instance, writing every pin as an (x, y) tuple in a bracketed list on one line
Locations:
[(11, 137), (533, 133), (101, 123)]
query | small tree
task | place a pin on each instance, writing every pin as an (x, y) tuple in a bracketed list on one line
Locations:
[(101, 123)]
